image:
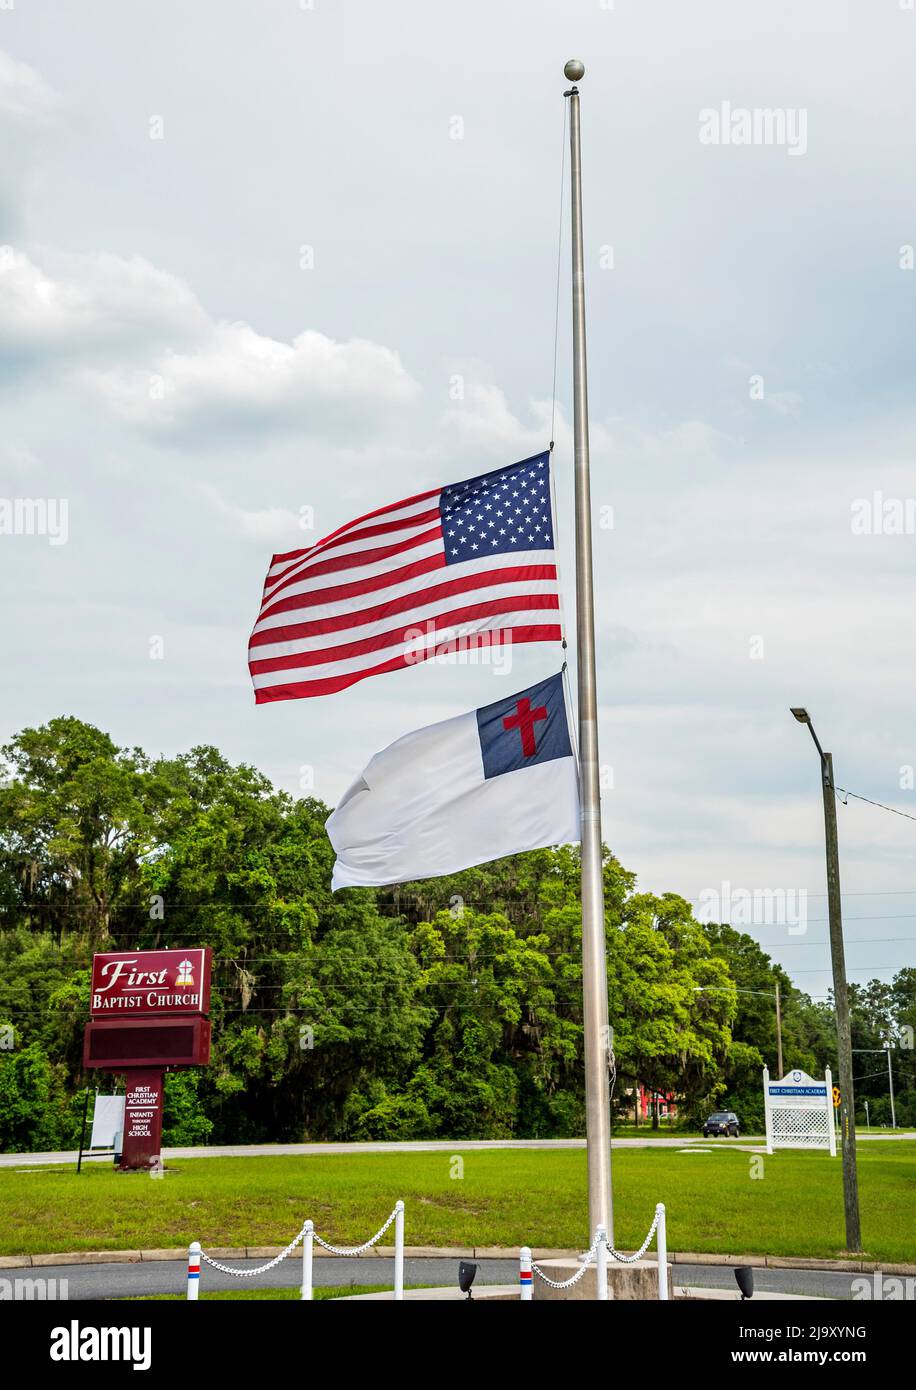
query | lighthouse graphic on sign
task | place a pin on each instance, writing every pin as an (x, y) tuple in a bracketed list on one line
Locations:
[(184, 976)]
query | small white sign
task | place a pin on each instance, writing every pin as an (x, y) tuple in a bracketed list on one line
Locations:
[(107, 1121)]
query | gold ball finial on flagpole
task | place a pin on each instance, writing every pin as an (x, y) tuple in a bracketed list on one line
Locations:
[(574, 70)]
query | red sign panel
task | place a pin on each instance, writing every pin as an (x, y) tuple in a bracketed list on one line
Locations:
[(142, 1138), (132, 984)]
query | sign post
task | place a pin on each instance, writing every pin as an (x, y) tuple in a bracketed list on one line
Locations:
[(148, 1013), (142, 1119)]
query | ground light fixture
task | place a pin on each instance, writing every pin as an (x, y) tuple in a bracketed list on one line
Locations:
[(467, 1272)]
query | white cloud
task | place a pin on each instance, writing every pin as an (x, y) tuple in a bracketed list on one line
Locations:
[(23, 91), (97, 310), (89, 304), (237, 378), (273, 524), (784, 402), (483, 419), (265, 523)]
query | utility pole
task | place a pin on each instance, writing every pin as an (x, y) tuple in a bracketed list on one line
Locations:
[(778, 1032), (847, 1114), (594, 958)]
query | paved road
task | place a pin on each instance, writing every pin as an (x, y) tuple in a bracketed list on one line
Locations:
[(413, 1146), (120, 1280), (168, 1276)]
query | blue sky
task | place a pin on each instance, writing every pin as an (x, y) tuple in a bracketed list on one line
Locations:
[(246, 261)]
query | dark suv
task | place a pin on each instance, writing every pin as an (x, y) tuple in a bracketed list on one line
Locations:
[(722, 1122)]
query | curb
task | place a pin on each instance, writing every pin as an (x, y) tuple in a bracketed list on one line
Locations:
[(448, 1252)]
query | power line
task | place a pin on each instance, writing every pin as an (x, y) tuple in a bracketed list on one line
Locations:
[(842, 792)]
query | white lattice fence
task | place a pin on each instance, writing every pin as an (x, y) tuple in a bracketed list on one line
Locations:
[(808, 1128)]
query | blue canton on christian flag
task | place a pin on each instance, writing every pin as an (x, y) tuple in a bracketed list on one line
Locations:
[(496, 781), (467, 564)]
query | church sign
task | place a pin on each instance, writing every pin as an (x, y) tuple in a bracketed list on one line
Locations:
[(150, 982), (148, 1013)]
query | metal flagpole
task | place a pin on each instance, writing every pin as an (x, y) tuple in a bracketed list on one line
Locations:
[(594, 962)]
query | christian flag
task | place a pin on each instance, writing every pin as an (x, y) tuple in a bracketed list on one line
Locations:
[(497, 781), (398, 585)]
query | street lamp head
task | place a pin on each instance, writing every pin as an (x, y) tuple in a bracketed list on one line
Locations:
[(801, 715), (574, 70)]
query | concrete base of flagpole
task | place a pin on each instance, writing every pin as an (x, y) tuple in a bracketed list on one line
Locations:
[(634, 1282)]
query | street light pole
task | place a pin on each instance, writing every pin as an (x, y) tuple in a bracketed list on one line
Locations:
[(890, 1082), (841, 999), (716, 989)]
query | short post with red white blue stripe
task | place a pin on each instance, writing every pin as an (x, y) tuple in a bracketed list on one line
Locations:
[(308, 1244), (193, 1271), (525, 1275)]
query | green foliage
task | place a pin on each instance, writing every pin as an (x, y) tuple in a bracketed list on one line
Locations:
[(449, 1008), (35, 1111), (183, 1120)]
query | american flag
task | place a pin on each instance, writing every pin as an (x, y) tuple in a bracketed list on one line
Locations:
[(402, 583)]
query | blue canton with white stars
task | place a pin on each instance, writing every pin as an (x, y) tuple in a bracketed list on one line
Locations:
[(498, 513)]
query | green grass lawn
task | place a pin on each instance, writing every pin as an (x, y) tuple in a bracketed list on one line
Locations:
[(505, 1198)]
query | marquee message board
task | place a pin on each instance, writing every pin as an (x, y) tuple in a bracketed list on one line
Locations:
[(153, 983), (116, 1044)]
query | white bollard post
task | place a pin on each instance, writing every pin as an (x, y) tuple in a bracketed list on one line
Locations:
[(193, 1271), (601, 1265), (399, 1252), (661, 1238), (525, 1274), (308, 1241)]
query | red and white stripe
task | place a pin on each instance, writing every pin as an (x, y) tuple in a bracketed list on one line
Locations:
[(377, 595)]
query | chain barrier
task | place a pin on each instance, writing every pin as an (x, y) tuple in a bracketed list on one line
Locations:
[(271, 1264), (586, 1258), (631, 1259), (356, 1249), (261, 1269), (574, 1279)]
